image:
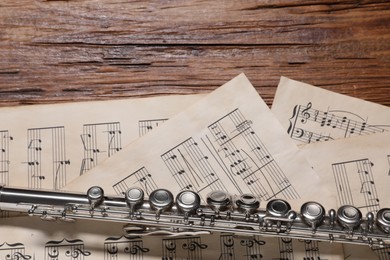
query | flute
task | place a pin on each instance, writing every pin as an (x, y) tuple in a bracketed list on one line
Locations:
[(161, 213)]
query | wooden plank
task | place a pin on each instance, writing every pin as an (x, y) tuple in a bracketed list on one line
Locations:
[(54, 51)]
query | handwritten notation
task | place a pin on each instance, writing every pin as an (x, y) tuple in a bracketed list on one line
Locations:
[(333, 124), (145, 126), (361, 193), (51, 141), (100, 141)]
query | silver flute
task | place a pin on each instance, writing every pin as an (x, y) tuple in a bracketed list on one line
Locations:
[(161, 213)]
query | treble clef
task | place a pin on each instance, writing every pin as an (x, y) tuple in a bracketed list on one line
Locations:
[(193, 245), (305, 113), (76, 252), (251, 242), (17, 255), (135, 249)]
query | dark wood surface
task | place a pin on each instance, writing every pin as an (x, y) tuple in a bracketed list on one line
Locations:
[(55, 51)]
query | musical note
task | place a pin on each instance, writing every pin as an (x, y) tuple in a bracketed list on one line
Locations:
[(191, 168), (100, 141), (286, 248), (311, 249), (141, 178), (339, 123), (4, 157), (245, 158), (366, 195), (51, 139), (4, 162), (227, 247), (148, 125)]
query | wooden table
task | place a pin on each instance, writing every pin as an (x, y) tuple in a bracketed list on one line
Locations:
[(55, 51)]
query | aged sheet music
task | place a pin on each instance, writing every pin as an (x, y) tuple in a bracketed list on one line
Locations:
[(106, 242), (228, 141), (312, 114), (356, 170), (46, 146), (31, 238)]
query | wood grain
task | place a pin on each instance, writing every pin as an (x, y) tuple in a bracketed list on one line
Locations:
[(55, 51)]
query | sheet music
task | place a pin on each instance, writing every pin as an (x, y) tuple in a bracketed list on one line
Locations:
[(312, 114), (31, 238), (47, 146), (355, 170), (239, 147)]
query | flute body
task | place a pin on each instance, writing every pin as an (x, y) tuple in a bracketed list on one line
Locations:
[(161, 213)]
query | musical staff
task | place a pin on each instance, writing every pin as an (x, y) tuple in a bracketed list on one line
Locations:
[(5, 139), (140, 178), (145, 126), (226, 242), (121, 248), (182, 248), (245, 159), (51, 142), (100, 141), (253, 247), (191, 168), (361, 194), (312, 250), (73, 249), (13, 251), (286, 248), (335, 124)]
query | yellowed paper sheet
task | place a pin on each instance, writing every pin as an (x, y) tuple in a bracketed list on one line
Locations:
[(31, 238), (227, 141), (47, 146), (311, 114), (356, 170)]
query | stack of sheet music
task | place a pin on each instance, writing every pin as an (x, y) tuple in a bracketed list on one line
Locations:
[(312, 145)]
